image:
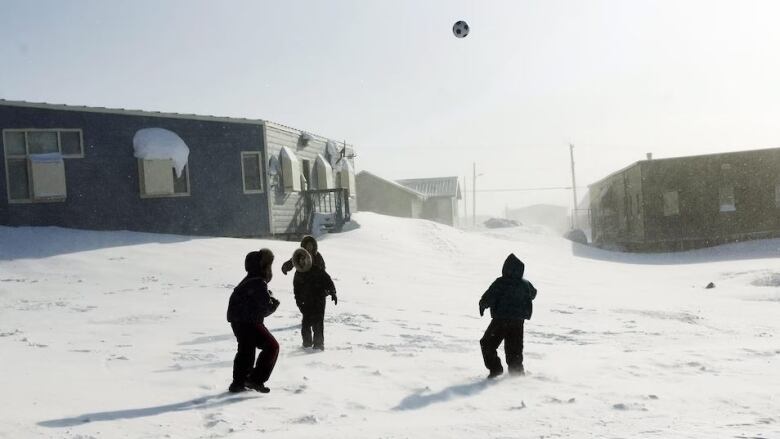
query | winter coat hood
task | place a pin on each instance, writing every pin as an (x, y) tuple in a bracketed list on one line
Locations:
[(513, 267), (510, 296), (256, 263), (309, 240)]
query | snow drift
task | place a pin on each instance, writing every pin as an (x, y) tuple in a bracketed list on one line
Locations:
[(119, 334)]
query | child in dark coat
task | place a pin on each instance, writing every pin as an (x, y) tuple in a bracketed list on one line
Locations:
[(249, 305), (311, 288), (510, 301)]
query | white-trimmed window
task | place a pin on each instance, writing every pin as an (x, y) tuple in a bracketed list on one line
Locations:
[(251, 172), (291, 170), (65, 141), (324, 173), (671, 203), (34, 165), (158, 179), (726, 198)]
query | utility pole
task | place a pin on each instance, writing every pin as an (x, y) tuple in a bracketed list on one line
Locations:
[(573, 189), (474, 196), (465, 203)]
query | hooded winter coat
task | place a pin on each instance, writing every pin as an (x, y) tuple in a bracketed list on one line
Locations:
[(312, 287), (251, 302), (510, 296)]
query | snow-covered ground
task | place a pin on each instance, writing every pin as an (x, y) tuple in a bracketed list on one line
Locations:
[(124, 335)]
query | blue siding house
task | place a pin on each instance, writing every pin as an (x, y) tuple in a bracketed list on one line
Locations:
[(76, 167)]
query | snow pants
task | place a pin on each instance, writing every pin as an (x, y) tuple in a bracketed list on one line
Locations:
[(313, 328), (509, 331), (252, 336)]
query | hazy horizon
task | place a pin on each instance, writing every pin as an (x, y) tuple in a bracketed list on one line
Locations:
[(616, 79)]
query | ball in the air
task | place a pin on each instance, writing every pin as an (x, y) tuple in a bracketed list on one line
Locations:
[(460, 29)]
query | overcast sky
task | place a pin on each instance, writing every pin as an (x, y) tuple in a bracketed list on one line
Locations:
[(616, 78)]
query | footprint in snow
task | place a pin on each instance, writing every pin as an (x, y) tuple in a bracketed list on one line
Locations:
[(626, 407), (308, 419), (10, 333), (553, 400), (297, 390), (212, 420), (322, 365)]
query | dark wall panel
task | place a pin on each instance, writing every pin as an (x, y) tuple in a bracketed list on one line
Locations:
[(103, 187)]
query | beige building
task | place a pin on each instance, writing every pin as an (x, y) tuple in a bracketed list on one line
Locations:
[(435, 199), (376, 194), (441, 197)]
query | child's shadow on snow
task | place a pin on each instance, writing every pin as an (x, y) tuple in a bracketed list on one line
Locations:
[(204, 402), (420, 399)]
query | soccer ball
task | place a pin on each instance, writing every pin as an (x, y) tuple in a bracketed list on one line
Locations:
[(460, 29)]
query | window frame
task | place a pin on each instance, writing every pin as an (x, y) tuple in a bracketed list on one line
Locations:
[(59, 132), (777, 194), (259, 167), (733, 199), (60, 170), (80, 155), (141, 183), (676, 210), (26, 157)]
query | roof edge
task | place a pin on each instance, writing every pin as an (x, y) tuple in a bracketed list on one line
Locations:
[(123, 111), (713, 154), (395, 184)]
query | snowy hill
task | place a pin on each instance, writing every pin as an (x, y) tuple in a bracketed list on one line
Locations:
[(124, 335)]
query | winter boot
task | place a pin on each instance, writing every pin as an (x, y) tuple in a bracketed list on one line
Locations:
[(495, 373), (236, 387), (517, 371), (258, 387)]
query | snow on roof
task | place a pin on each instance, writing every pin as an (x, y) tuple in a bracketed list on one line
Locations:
[(171, 115), (393, 183), (434, 187), (697, 156), (161, 144)]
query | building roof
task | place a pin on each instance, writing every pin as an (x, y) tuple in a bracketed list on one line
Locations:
[(104, 110), (393, 183), (619, 171), (124, 111), (434, 187)]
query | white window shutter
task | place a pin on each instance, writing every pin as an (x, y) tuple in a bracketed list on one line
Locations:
[(324, 173), (291, 170), (347, 177), (158, 177), (48, 176)]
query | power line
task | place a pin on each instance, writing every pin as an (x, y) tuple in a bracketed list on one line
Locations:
[(528, 189)]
